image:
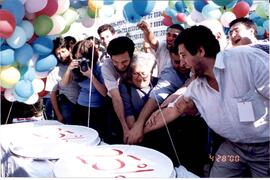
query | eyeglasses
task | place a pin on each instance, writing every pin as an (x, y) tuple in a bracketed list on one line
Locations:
[(141, 74)]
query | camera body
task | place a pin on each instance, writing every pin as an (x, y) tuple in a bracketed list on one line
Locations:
[(83, 63)]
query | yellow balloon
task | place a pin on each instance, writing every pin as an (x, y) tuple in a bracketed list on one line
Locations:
[(95, 4), (9, 76)]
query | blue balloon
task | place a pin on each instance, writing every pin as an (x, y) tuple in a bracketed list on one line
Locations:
[(258, 21), (24, 89), (46, 63), (108, 2), (250, 2), (222, 2), (266, 25), (260, 31), (129, 13), (1, 42), (76, 4), (16, 8), (24, 54), (17, 39), (84, 2), (199, 4), (171, 12), (30, 74), (6, 57), (143, 8), (28, 28), (231, 4), (43, 46), (180, 6)]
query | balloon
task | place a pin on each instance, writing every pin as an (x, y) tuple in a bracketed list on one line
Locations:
[(231, 4), (143, 8), (88, 22), (23, 89), (17, 39), (66, 29), (50, 8), (129, 13), (43, 25), (8, 94), (63, 5), (70, 15), (84, 2), (92, 13), (16, 8), (76, 4), (1, 41), (262, 10), (250, 2), (93, 4), (6, 57), (42, 74), (28, 28), (222, 2), (167, 21), (241, 9), (33, 6), (38, 85), (199, 4), (58, 25), (30, 74), (43, 46), (32, 99), (181, 17), (266, 25), (260, 31), (106, 11), (30, 16), (108, 2), (227, 18), (33, 60), (9, 76), (211, 12), (7, 24), (189, 5), (171, 12), (46, 63), (179, 6), (196, 16)]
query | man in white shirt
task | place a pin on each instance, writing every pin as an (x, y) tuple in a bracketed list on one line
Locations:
[(161, 48), (231, 92)]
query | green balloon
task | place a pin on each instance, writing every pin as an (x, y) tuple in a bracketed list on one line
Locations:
[(262, 10), (172, 4), (65, 30), (91, 13), (189, 4), (43, 25)]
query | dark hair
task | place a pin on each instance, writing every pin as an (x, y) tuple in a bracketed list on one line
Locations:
[(105, 27), (84, 49), (246, 22), (67, 42), (176, 26), (120, 45), (198, 36), (93, 38)]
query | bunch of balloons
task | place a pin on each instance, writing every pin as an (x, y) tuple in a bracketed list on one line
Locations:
[(188, 13), (27, 30)]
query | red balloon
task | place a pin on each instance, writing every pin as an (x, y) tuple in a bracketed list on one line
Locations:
[(167, 21), (33, 38), (241, 9), (50, 9), (181, 17), (43, 92), (7, 24)]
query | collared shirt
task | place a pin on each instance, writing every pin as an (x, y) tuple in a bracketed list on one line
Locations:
[(240, 73), (168, 82)]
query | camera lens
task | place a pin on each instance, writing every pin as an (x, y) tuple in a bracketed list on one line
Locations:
[(84, 66)]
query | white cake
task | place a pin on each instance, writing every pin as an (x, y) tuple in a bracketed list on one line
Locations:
[(53, 141), (115, 161)]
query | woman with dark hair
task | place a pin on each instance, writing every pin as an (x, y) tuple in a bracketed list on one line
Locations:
[(86, 71)]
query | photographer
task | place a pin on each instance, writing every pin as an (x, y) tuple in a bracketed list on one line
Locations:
[(86, 71)]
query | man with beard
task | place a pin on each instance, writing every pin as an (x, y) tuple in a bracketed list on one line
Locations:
[(63, 98), (231, 92), (161, 48), (114, 71)]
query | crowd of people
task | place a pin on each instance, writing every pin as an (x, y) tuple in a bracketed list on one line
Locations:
[(200, 96)]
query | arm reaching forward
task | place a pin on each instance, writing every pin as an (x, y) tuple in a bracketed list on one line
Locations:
[(159, 118)]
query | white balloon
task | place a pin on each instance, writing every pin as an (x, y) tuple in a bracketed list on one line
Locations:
[(63, 5), (196, 16), (41, 74), (33, 60), (38, 85), (226, 18), (58, 25), (32, 99), (8, 94)]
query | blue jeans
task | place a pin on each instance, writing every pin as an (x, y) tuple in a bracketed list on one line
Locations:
[(49, 114), (67, 109)]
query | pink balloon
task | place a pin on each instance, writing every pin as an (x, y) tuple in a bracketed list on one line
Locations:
[(241, 9), (167, 21), (33, 6), (88, 22), (181, 17), (50, 9), (7, 24), (8, 94)]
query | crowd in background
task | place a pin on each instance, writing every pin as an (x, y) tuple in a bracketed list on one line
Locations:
[(178, 96)]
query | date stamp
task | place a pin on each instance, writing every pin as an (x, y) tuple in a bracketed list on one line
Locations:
[(224, 158)]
